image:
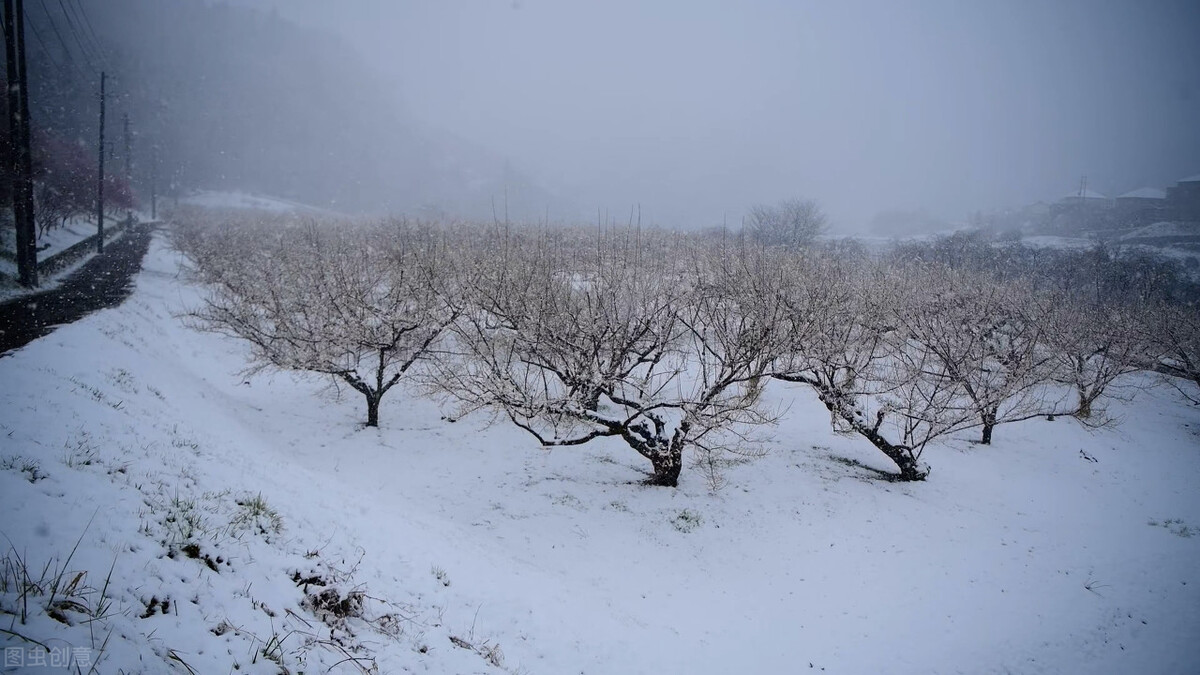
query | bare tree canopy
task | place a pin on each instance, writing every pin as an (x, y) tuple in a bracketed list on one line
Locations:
[(1174, 333), (665, 341), (1094, 344), (361, 302), (988, 339), (845, 343), (619, 337), (792, 223)]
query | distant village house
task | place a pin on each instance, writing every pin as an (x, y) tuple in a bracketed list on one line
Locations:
[(1184, 199)]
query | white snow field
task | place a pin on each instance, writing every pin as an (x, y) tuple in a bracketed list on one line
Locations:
[(217, 199), (462, 548)]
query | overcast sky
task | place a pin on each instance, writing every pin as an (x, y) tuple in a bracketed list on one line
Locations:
[(696, 108)]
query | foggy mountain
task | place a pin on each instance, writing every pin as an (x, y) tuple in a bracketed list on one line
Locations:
[(695, 115), (237, 98), (701, 110)]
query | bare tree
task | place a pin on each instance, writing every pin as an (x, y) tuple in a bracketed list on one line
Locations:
[(792, 224), (360, 302), (986, 336), (1093, 344), (874, 380), (1174, 331), (52, 208), (625, 342)]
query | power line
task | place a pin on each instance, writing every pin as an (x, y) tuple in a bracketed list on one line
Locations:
[(63, 43), (64, 69), (54, 24), (42, 44), (87, 54), (87, 23), (69, 64)]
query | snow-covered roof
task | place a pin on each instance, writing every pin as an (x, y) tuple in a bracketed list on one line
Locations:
[(1191, 179), (1087, 194), (1145, 193)]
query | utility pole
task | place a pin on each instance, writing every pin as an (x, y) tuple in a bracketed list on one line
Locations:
[(100, 181), (128, 164), (26, 154), (154, 182), (18, 126), (14, 130), (128, 157)]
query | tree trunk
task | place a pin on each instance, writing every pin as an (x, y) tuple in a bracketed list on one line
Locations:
[(987, 433), (838, 405), (989, 423), (667, 466), (910, 469), (373, 409), (665, 453), (1085, 406)]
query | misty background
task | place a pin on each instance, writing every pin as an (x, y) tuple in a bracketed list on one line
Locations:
[(693, 110)]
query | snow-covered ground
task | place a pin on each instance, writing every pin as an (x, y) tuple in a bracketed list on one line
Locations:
[(59, 239), (1163, 229), (474, 551), (243, 200), (1054, 241)]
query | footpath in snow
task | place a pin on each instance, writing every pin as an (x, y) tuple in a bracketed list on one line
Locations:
[(100, 281)]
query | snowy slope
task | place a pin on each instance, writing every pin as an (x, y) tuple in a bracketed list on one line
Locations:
[(1163, 229), (241, 200), (1055, 550)]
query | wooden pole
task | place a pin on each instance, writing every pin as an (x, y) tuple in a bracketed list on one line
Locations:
[(100, 179), (20, 168)]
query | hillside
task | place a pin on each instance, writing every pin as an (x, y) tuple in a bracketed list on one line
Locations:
[(221, 504), (231, 98)]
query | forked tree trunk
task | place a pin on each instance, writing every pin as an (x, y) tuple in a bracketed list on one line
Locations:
[(1085, 405), (667, 467), (664, 452), (989, 423), (375, 394), (373, 409)]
